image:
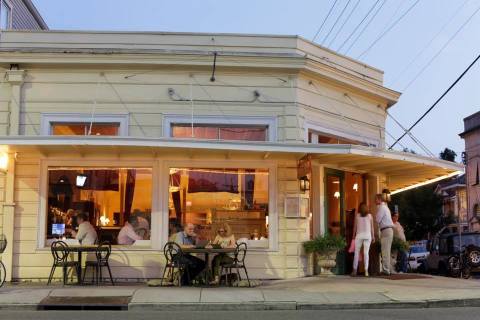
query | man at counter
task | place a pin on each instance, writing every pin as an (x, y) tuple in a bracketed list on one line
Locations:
[(86, 233), (127, 234), (187, 239)]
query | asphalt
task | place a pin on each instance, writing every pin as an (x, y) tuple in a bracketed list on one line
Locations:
[(313, 293)]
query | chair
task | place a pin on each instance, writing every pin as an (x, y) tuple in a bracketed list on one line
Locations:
[(175, 260), (102, 254), (60, 253), (238, 263)]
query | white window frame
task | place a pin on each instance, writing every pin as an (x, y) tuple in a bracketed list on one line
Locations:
[(273, 232), (47, 119), (320, 128), (269, 122), (10, 16), (100, 163)]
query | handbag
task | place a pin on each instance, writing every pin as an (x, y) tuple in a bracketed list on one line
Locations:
[(351, 249)]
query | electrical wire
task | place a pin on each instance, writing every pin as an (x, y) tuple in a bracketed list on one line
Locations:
[(388, 29), (365, 26), (438, 100), (358, 25), (324, 20), (343, 24), (440, 51), (336, 21)]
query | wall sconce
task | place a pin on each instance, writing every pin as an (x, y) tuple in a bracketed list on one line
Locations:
[(304, 184), (3, 162), (336, 194), (355, 186)]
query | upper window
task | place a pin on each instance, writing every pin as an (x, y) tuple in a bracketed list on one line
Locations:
[(82, 124), (5, 15), (318, 137), (85, 129), (220, 132)]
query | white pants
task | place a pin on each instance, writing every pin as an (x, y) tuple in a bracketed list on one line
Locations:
[(366, 248), (386, 238)]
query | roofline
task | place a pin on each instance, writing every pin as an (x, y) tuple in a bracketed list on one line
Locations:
[(36, 15)]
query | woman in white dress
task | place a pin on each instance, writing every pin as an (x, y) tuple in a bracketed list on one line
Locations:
[(364, 236)]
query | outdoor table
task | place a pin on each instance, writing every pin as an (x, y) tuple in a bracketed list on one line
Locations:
[(206, 252), (80, 249)]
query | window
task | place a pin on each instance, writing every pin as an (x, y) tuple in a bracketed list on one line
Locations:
[(5, 15), (220, 132), (317, 137), (108, 197), (209, 197), (79, 124)]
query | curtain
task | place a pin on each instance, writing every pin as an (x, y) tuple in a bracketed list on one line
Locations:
[(249, 187), (211, 181), (129, 191)]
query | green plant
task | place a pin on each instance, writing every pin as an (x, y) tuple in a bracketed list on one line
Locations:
[(324, 244)]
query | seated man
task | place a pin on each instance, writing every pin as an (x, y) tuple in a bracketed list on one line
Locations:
[(127, 234), (186, 239), (86, 233)]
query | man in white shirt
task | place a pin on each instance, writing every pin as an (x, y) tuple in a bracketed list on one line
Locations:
[(86, 233), (385, 223), (127, 234)]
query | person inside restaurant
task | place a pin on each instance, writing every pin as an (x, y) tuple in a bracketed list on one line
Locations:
[(225, 239), (187, 239), (143, 226), (86, 233), (127, 235)]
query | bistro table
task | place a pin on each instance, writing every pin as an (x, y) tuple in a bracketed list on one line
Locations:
[(206, 252)]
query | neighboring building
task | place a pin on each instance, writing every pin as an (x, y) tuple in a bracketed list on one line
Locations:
[(114, 123), (471, 135), (453, 192), (20, 15)]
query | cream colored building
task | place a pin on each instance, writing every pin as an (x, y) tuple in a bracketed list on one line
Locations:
[(113, 123)]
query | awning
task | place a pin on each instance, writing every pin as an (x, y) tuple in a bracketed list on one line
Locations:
[(402, 170)]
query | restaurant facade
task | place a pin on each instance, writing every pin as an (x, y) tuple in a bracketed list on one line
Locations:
[(274, 135)]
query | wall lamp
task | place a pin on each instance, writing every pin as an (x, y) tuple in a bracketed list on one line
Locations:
[(304, 184)]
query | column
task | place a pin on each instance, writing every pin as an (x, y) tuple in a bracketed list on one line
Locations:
[(15, 78)]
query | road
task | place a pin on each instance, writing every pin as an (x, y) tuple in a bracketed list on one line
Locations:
[(386, 314)]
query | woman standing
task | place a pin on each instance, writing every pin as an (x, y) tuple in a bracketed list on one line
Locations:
[(363, 235), (225, 239)]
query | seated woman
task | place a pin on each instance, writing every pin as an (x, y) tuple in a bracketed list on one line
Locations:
[(225, 239)]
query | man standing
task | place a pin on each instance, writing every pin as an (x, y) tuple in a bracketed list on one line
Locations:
[(385, 223), (86, 233), (399, 233)]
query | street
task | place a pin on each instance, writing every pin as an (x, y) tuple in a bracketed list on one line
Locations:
[(397, 314)]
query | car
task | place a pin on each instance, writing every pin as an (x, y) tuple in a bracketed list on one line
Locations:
[(443, 246), (416, 255)]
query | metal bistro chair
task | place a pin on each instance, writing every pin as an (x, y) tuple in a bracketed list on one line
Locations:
[(175, 260), (238, 263), (102, 254), (60, 253)]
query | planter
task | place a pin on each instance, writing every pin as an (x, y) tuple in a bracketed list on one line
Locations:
[(326, 262)]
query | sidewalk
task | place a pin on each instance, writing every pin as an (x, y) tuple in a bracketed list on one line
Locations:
[(340, 292)]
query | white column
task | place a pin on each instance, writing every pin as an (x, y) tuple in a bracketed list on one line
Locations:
[(9, 216), (15, 78)]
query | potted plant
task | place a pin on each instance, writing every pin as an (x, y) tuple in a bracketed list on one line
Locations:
[(325, 248)]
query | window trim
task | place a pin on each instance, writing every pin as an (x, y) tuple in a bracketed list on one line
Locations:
[(269, 122), (48, 118), (273, 232), (10, 15), (101, 163), (321, 128)]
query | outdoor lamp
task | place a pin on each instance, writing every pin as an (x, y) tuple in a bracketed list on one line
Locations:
[(3, 162), (304, 183)]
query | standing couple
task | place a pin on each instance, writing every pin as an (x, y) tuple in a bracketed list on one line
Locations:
[(363, 233)]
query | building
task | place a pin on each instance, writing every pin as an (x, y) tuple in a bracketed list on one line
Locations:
[(453, 192), (20, 15), (471, 135), (275, 135)]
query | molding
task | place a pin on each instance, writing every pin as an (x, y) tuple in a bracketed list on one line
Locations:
[(47, 118)]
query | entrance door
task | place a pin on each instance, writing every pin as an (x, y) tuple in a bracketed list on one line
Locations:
[(335, 215)]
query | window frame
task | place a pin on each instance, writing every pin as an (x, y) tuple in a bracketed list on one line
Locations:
[(99, 163), (273, 232), (320, 128), (10, 14), (267, 121), (47, 119)]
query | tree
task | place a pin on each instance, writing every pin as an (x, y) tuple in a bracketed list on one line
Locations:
[(409, 150), (448, 154)]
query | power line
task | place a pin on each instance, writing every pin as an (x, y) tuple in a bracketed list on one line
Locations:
[(389, 28), (429, 43), (343, 24), (358, 25), (336, 21), (441, 50), (366, 26), (438, 100), (324, 20)]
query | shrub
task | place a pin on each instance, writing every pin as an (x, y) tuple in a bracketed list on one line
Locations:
[(324, 244)]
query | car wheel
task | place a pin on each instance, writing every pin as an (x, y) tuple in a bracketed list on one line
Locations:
[(474, 257)]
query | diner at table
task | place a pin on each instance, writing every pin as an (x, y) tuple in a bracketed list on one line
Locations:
[(224, 239), (86, 233)]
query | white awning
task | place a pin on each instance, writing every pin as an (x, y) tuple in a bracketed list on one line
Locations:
[(403, 170)]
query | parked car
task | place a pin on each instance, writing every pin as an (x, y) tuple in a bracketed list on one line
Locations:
[(443, 246), (416, 255)]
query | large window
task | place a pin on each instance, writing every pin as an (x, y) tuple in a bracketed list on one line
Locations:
[(109, 197), (209, 197), (5, 15), (220, 132)]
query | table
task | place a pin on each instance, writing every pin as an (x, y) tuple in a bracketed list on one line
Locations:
[(206, 252)]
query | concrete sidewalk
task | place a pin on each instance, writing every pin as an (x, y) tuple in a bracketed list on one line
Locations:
[(339, 292)]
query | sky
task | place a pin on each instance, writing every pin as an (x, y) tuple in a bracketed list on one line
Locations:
[(413, 41)]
